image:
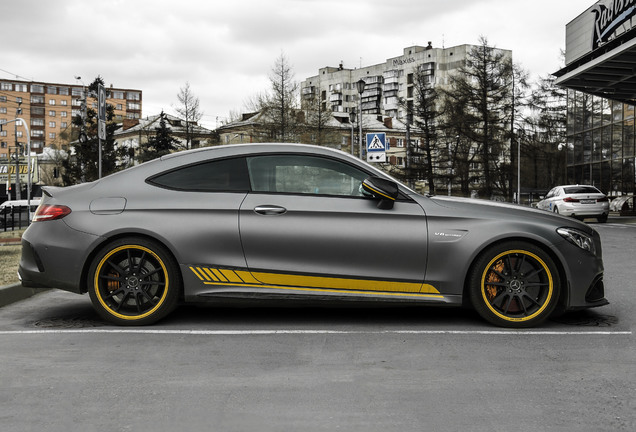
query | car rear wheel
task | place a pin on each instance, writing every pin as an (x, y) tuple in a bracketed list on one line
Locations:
[(134, 281), (514, 284)]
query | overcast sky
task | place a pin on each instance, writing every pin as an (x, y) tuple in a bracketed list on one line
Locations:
[(226, 49)]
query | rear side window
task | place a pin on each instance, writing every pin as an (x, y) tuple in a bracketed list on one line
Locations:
[(228, 175)]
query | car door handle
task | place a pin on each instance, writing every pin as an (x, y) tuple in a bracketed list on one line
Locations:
[(269, 210)]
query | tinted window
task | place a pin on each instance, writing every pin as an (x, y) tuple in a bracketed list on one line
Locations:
[(300, 174), (217, 176)]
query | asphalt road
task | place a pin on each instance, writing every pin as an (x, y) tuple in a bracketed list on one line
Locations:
[(322, 369)]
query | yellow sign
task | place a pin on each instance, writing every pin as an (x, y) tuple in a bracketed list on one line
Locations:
[(10, 168)]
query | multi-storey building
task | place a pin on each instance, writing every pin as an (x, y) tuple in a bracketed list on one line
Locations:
[(386, 84), (48, 109)]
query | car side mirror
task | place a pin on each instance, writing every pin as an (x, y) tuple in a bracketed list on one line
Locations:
[(383, 190)]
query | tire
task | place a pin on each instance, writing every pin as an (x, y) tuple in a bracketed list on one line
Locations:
[(556, 210), (134, 281), (514, 284)]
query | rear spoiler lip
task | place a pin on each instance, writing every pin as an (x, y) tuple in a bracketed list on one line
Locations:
[(50, 190)]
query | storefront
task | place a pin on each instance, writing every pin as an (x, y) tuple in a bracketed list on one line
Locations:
[(600, 75)]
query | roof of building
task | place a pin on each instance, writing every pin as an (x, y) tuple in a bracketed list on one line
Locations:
[(150, 123)]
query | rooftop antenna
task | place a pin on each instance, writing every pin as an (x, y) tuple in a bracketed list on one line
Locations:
[(443, 41)]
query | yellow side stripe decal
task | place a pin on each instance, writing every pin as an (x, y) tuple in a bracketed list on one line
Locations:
[(212, 276)]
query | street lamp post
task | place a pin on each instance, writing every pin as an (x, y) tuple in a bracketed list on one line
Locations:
[(17, 174), (360, 85), (352, 119)]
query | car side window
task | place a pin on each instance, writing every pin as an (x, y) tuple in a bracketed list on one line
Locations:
[(300, 174), (226, 175)]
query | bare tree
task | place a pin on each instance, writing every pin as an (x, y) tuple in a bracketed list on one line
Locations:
[(281, 103), (189, 111)]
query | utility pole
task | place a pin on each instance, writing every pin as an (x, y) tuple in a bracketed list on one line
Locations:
[(18, 188)]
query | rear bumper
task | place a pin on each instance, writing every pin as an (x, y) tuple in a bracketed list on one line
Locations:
[(583, 210), (53, 256)]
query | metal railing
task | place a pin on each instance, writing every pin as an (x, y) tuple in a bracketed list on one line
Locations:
[(14, 217)]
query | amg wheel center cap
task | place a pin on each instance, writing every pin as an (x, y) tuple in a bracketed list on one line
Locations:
[(133, 282), (515, 285)]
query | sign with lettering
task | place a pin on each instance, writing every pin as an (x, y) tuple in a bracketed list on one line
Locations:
[(609, 17), (7, 168)]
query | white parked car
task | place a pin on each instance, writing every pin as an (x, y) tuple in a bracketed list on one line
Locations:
[(579, 201)]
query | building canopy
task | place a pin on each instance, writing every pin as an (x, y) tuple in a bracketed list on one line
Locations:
[(601, 52)]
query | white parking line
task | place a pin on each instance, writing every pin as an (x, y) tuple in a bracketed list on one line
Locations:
[(318, 332)]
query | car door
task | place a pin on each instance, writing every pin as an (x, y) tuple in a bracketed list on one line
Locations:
[(308, 223)]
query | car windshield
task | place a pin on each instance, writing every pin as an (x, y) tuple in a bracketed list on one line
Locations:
[(581, 190)]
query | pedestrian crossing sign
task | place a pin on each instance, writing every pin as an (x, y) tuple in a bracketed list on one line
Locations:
[(376, 147)]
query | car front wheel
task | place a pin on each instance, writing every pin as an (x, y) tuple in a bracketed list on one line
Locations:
[(134, 281), (514, 284)]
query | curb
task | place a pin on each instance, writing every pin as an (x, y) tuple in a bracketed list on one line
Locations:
[(15, 292)]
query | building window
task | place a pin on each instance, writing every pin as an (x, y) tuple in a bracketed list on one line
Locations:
[(18, 134), (37, 122), (18, 100), (51, 113), (51, 101), (132, 106), (3, 110), (3, 98), (52, 124), (52, 135), (133, 96), (63, 103), (63, 91), (37, 99), (77, 91), (6, 86), (37, 133), (21, 88), (63, 114), (120, 107), (63, 125), (37, 111), (51, 90), (117, 94), (3, 133)]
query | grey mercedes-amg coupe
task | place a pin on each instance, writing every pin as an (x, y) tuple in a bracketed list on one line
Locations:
[(289, 222)]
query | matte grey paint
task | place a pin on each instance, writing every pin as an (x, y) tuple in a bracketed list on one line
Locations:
[(422, 239)]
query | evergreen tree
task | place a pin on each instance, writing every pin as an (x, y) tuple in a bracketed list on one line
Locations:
[(83, 164), (162, 143), (483, 90)]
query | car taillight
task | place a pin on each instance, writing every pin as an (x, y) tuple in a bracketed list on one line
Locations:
[(50, 212), (568, 199)]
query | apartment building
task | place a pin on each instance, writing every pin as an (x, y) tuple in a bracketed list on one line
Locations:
[(48, 109), (385, 83)]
